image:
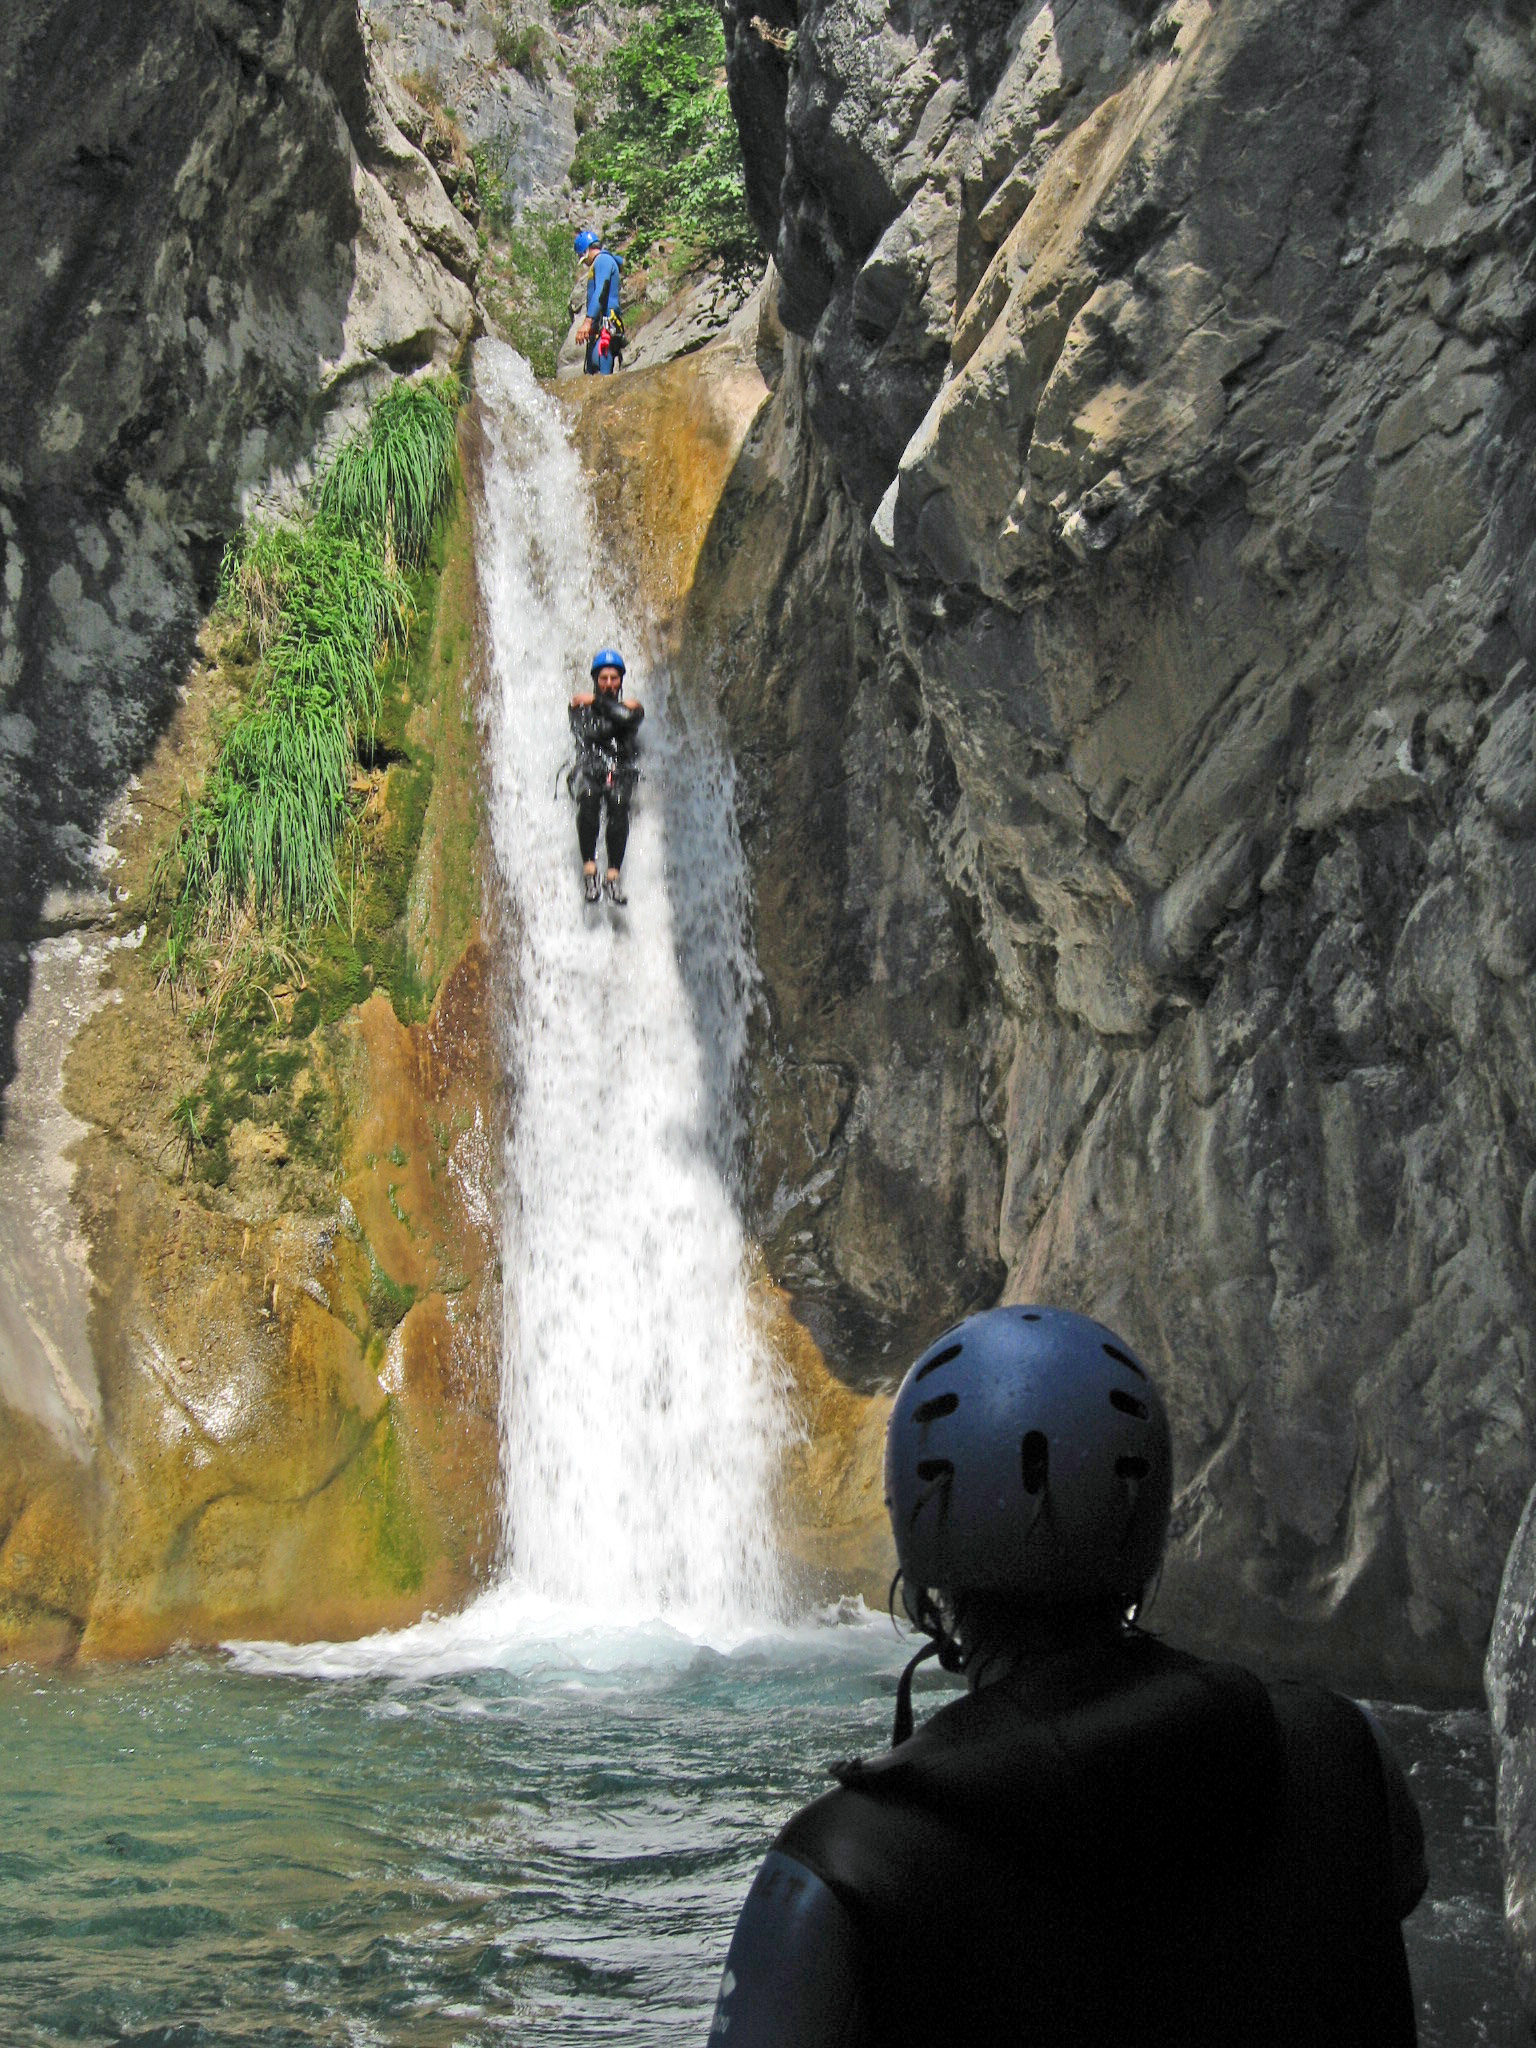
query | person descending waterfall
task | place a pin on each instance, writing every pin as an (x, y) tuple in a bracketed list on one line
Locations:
[(607, 729), (1105, 1839), (603, 328)]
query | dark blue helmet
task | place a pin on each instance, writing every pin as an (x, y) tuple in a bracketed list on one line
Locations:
[(586, 240), (607, 657), (1028, 1455)]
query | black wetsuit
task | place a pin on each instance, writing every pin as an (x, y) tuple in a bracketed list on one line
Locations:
[(607, 769), (1123, 1845)]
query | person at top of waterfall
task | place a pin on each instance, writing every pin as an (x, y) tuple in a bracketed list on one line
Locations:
[(1103, 1839), (601, 327), (607, 729)]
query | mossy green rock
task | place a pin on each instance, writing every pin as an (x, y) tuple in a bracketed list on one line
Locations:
[(284, 1192), (300, 1413)]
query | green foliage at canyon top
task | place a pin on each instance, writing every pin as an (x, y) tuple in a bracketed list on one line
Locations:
[(666, 146)]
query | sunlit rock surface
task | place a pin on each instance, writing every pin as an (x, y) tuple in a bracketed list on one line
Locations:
[(523, 118), (1156, 419), (291, 1351), (301, 1409)]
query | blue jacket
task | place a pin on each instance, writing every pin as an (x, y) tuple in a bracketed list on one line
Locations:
[(605, 272)]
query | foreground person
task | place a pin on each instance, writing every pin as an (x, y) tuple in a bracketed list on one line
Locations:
[(1105, 1840), (607, 730)]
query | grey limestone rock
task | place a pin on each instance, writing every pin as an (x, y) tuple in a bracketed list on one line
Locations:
[(527, 123), (877, 1068), (1167, 373), (225, 246)]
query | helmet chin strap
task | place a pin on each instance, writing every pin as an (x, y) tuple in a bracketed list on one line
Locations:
[(974, 1640), (901, 1727), (940, 1644)]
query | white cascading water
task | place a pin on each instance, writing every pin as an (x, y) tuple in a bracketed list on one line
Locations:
[(642, 1414)]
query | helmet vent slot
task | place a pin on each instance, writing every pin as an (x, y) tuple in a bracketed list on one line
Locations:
[(1029, 1315), (939, 1358), (1124, 1358), (1128, 1404), (935, 1468), (941, 1404), (1035, 1460), (1131, 1468)]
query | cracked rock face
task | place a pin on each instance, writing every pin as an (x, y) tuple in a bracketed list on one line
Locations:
[(1171, 367), (877, 1067), (226, 246), (526, 124)]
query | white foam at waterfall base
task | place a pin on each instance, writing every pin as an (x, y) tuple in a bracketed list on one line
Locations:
[(643, 1416)]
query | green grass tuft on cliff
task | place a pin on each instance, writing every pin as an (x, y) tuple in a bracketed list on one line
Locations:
[(263, 1000), (314, 581), (320, 603), (527, 281), (265, 828), (525, 46), (389, 483)]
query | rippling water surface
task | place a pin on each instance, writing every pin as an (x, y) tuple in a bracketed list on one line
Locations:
[(550, 1851)]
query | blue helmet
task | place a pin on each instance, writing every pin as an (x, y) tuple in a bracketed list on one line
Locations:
[(607, 657), (586, 240), (1028, 1455)]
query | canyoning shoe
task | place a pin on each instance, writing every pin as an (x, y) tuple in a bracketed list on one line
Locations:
[(613, 889), (590, 888)]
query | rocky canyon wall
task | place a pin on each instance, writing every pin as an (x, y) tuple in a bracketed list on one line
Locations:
[(247, 1373), (218, 240), (1135, 716)]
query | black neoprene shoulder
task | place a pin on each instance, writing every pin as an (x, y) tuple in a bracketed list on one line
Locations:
[(1127, 1845)]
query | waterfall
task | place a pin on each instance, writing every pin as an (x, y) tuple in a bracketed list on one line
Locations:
[(642, 1415)]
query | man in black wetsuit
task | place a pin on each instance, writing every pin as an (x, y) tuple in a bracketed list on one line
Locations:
[(607, 729), (1104, 1840)]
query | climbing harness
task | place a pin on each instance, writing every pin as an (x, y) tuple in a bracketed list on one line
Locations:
[(597, 761), (611, 338)]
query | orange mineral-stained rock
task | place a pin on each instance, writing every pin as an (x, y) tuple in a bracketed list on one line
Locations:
[(659, 446), (833, 1521), (48, 1544), (300, 1415), (417, 1146), (440, 1368)]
